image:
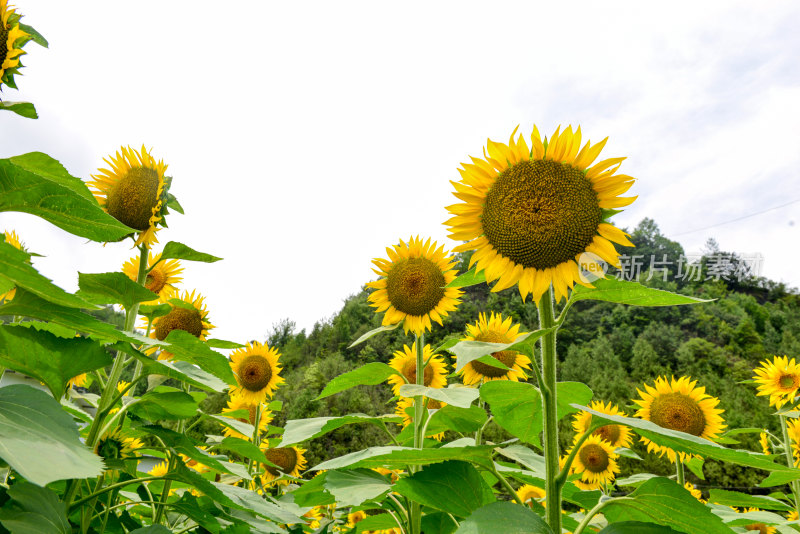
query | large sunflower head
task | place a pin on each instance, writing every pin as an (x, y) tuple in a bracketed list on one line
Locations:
[(530, 214), (12, 38), (402, 409), (13, 240), (779, 378), (679, 405), (161, 275), (405, 363), (495, 329), (189, 314), (257, 372), (289, 461), (134, 191), (596, 462), (616, 435), (411, 287), (237, 403), (117, 445)]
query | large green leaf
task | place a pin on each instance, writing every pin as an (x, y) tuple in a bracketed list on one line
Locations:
[(373, 332), (469, 278), (14, 266), (34, 510), (179, 370), (402, 456), (37, 184), (611, 289), (457, 419), (516, 406), (438, 523), (683, 442), (188, 348), (526, 457), (169, 405), (152, 529), (353, 487), (456, 395), (779, 478), (299, 430), (249, 500), (23, 109), (744, 500), (380, 522), (186, 446), (52, 359), (113, 288), (636, 527), (179, 251), (368, 375), (664, 502), (40, 440), (243, 448), (313, 492), (454, 487), (505, 517), (467, 351)]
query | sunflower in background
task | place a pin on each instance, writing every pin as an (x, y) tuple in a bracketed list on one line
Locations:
[(412, 285), (528, 493), (236, 403), (696, 493), (763, 440), (402, 409), (779, 378), (761, 528), (162, 276), (189, 314), (117, 444), (288, 460), (530, 214), (134, 191), (495, 329), (616, 435), (405, 363), (793, 429), (257, 372), (596, 462), (78, 381), (679, 405), (12, 239)]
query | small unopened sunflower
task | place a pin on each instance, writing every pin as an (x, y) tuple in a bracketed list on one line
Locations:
[(495, 329), (596, 462), (403, 404), (116, 445), (13, 240), (779, 378), (531, 213), (405, 363), (236, 403), (257, 372), (133, 190), (289, 460), (761, 528), (161, 279), (679, 405), (190, 315), (12, 38), (527, 493), (616, 435), (412, 285)]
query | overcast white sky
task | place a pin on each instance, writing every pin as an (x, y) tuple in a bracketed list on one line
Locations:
[(305, 137)]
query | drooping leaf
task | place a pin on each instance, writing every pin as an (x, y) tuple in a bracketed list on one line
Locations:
[(184, 346), (368, 375), (467, 351), (505, 517), (636, 527), (744, 500), (223, 344), (179, 370), (526, 457), (373, 332), (34, 510), (461, 396), (299, 430), (402, 456), (185, 445), (611, 289), (179, 251), (241, 427), (265, 507), (170, 405), (35, 36), (353, 487), (243, 448), (313, 492), (197, 509), (40, 440), (23, 109), (454, 487), (113, 288), (469, 278)]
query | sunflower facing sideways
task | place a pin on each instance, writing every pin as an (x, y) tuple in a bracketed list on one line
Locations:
[(405, 363), (134, 191), (236, 403), (189, 314), (596, 462), (12, 239), (616, 435), (12, 38), (495, 329), (289, 461), (257, 372), (531, 213), (779, 378), (161, 277), (411, 287), (679, 405)]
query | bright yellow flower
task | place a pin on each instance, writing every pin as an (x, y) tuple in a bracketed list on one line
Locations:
[(412, 285), (236, 403), (257, 372), (779, 378), (696, 493), (679, 405), (495, 329), (764, 441), (190, 317), (12, 37), (116, 445), (793, 428), (405, 363), (596, 461), (530, 214), (161, 279), (526, 493), (289, 460), (616, 435), (13, 240), (159, 470), (78, 381)]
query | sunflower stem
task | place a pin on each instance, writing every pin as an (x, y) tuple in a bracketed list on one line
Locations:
[(508, 487), (787, 447), (548, 390), (419, 438), (679, 471), (594, 511)]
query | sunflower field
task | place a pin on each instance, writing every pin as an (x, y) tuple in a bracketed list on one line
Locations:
[(107, 424)]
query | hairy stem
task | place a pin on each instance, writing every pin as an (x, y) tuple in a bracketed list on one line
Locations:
[(787, 447), (419, 438), (548, 390)]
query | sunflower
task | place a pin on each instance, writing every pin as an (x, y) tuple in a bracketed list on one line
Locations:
[(191, 463), (289, 461), (761, 528), (780, 379), (495, 330), (134, 191), (13, 240), (404, 403), (616, 435), (12, 37), (191, 316), (763, 440), (696, 493), (355, 517), (531, 213), (793, 429), (412, 285), (116, 445), (596, 461), (257, 372), (314, 516), (526, 493), (236, 403), (161, 277), (679, 405), (405, 363), (159, 470), (78, 381), (792, 516)]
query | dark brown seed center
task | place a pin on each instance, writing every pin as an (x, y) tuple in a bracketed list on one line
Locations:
[(156, 280), (609, 433), (132, 199), (676, 411), (410, 372), (594, 458), (415, 285), (179, 319), (284, 457), (254, 373)]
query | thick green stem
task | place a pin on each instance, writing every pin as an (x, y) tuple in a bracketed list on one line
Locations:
[(787, 447), (593, 512), (419, 438), (679, 471), (548, 390)]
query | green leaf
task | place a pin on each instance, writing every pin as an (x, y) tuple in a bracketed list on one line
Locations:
[(457, 419), (170, 405), (34, 510), (683, 442), (197, 509), (505, 517), (636, 479), (188, 348), (516, 406), (469, 278), (695, 465), (402, 456), (374, 332), (525, 457), (733, 518), (636, 527), (222, 344), (299, 430), (49, 358), (179, 370), (239, 426), (178, 251), (39, 440), (611, 289), (734, 498), (456, 395), (23, 109), (15, 266), (184, 445), (243, 448), (663, 501), (249, 500), (37, 184), (779, 478), (453, 486), (152, 529), (467, 351), (380, 522), (36, 37), (438, 523), (313, 492), (351, 488), (367, 375), (152, 311), (113, 288)]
